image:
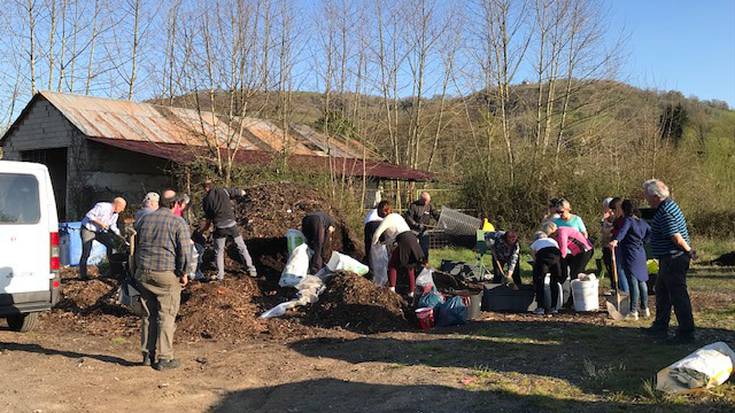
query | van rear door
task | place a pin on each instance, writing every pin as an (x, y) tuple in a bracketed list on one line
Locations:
[(24, 231)]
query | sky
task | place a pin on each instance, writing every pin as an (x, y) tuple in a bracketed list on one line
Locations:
[(679, 45)]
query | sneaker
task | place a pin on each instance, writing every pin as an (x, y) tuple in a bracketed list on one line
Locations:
[(679, 339), (646, 313), (164, 364), (633, 315), (146, 360), (555, 311), (252, 274), (539, 311)]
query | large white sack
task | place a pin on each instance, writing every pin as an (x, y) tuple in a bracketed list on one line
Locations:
[(297, 266), (707, 367), (341, 262), (379, 264)]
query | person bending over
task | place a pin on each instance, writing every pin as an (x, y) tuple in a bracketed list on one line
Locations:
[(546, 260), (217, 206), (317, 228), (406, 251)]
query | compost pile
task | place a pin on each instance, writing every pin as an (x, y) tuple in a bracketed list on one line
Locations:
[(268, 211), (90, 307), (229, 310), (355, 303)]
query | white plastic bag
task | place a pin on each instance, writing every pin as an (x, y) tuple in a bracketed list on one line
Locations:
[(310, 287), (425, 278), (341, 262), (296, 267), (379, 263), (707, 367)]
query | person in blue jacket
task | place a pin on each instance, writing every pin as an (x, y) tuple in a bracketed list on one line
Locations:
[(630, 239)]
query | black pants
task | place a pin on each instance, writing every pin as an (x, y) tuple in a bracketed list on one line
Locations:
[(498, 278), (317, 238), (575, 264), (547, 261), (671, 290), (87, 238), (607, 261)]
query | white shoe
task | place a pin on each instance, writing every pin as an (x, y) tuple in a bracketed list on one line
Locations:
[(646, 313), (392, 289), (539, 311), (633, 315)]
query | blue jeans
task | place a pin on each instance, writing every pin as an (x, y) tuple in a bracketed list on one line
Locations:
[(622, 278), (638, 291)]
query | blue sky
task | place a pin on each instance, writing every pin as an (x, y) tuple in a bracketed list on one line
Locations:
[(679, 45)]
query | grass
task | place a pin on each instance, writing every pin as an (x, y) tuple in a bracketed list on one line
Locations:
[(568, 363)]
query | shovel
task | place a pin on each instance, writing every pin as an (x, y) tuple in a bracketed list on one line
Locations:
[(618, 310)]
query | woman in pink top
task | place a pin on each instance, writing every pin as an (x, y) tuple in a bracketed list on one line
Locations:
[(576, 250)]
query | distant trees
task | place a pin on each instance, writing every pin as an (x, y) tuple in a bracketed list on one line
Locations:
[(514, 99)]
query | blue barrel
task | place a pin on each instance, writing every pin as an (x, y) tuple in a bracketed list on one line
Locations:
[(70, 243), (70, 246)]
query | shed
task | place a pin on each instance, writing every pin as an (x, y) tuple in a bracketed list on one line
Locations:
[(97, 148)]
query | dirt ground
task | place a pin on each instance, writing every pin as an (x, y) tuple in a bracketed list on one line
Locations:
[(501, 362)]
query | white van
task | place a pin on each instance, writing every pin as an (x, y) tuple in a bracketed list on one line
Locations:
[(29, 244)]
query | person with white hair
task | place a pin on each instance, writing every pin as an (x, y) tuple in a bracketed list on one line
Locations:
[(419, 216), (670, 243), (102, 218), (150, 204)]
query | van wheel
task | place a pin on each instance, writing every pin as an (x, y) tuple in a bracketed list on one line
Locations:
[(23, 322)]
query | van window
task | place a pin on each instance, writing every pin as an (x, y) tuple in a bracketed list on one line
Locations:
[(19, 203)]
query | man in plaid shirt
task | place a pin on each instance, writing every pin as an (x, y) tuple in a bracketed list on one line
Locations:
[(161, 259)]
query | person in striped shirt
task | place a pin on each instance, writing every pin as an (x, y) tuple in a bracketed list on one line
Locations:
[(670, 243)]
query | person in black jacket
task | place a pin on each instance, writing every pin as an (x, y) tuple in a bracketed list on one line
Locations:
[(217, 206), (419, 216), (317, 227)]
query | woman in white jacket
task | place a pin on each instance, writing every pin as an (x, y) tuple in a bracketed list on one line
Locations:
[(407, 253)]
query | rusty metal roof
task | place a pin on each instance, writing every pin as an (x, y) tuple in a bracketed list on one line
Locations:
[(168, 132), (180, 153)]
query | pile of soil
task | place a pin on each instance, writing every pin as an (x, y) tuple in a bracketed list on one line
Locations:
[(356, 304), (267, 211), (90, 307)]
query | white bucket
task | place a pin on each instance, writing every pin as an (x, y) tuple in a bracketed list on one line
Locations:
[(294, 238), (547, 292), (585, 295)]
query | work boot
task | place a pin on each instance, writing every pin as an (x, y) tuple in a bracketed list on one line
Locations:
[(165, 364)]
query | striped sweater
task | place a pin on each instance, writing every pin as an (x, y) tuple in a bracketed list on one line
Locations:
[(667, 221)]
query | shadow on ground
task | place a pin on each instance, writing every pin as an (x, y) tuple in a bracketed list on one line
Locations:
[(35, 348), (332, 395), (592, 357)]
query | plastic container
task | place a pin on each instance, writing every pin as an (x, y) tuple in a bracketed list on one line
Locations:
[(425, 316), (547, 292), (500, 298), (585, 295), (473, 301), (70, 243), (294, 238)]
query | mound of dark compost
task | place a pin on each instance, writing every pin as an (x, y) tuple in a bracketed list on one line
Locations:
[(354, 303)]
